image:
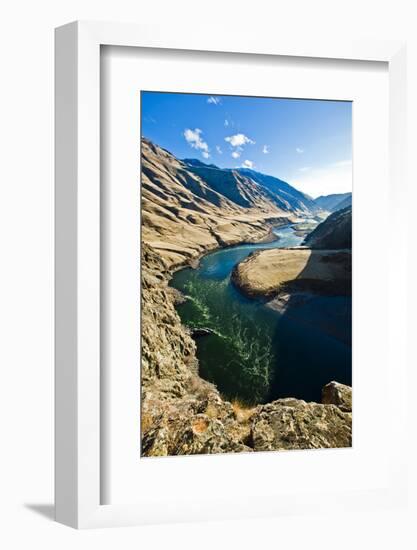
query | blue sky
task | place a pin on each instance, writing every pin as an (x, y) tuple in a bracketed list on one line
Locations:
[(307, 143)]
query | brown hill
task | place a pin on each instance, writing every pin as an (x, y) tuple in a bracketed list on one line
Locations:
[(269, 272), (187, 209)]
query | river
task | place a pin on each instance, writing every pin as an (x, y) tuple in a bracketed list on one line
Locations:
[(256, 354)]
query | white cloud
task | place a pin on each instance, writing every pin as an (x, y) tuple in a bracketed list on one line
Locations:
[(333, 178), (193, 138), (236, 154), (237, 140), (265, 149), (214, 100), (248, 164), (304, 169), (299, 150), (226, 122), (219, 150)]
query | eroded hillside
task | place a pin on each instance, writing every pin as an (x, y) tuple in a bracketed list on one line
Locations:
[(188, 208)]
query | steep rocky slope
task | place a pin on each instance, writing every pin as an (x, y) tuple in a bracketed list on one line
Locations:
[(180, 411), (291, 198), (295, 424), (334, 233)]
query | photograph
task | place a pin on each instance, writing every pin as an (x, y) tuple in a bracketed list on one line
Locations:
[(191, 354), (246, 273)]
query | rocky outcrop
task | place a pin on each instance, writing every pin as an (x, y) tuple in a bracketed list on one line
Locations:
[(339, 395), (200, 423), (334, 233), (294, 424), (270, 272), (168, 351)]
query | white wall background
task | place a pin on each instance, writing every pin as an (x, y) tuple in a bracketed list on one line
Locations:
[(26, 272)]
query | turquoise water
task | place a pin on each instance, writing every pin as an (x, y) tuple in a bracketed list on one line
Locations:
[(256, 354)]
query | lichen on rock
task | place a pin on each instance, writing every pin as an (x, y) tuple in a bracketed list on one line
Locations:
[(290, 423)]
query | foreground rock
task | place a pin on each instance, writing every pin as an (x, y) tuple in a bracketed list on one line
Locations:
[(338, 394), (270, 272), (294, 424), (198, 424)]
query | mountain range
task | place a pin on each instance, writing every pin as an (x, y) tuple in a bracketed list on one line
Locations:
[(189, 207), (334, 202), (248, 188)]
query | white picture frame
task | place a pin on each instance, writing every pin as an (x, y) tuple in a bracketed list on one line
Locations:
[(77, 242)]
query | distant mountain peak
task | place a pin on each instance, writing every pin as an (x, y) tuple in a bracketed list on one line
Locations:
[(197, 162), (244, 187), (334, 202)]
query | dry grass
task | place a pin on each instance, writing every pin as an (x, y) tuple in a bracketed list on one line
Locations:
[(200, 425), (211, 411), (243, 413), (199, 387), (146, 422), (268, 271)]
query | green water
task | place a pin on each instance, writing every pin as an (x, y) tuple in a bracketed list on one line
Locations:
[(256, 354)]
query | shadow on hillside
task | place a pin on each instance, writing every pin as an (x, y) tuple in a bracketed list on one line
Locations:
[(313, 337), (327, 273)]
